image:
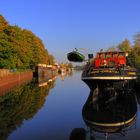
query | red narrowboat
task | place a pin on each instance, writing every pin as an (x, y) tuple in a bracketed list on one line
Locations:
[(109, 68)]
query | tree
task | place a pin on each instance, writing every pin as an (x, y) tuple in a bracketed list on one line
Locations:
[(137, 39), (124, 46), (113, 48), (135, 53), (3, 23), (51, 59), (21, 48)]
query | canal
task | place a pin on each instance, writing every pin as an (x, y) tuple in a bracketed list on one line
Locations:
[(53, 111)]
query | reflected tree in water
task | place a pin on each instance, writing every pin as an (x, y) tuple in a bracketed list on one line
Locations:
[(21, 104)]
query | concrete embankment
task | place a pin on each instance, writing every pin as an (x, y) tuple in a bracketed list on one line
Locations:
[(43, 73), (12, 80)]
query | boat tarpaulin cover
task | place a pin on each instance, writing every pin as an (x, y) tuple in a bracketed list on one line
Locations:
[(75, 56)]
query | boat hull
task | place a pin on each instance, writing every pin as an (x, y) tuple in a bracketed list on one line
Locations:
[(93, 83), (115, 79), (105, 77)]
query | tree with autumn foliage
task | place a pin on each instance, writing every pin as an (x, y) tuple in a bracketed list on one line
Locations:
[(124, 46), (20, 48), (133, 51), (136, 50)]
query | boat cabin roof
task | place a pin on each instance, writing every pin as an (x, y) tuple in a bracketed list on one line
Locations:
[(110, 52)]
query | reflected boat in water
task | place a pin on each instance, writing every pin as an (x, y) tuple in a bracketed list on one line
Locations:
[(110, 116), (64, 74), (44, 82), (137, 87), (107, 117)]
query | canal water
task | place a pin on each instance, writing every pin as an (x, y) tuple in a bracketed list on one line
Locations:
[(53, 111)]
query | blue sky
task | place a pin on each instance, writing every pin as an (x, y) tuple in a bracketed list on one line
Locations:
[(67, 24)]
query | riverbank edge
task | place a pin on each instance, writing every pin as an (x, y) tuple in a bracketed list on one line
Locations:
[(10, 81)]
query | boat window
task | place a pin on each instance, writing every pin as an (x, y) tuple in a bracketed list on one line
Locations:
[(90, 56), (121, 54), (97, 55), (115, 55), (102, 55), (108, 55)]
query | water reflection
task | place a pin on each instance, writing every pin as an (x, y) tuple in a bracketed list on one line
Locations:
[(107, 115), (65, 74), (137, 89), (20, 104)]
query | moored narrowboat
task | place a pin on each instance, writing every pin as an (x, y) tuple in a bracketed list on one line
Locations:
[(109, 68)]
